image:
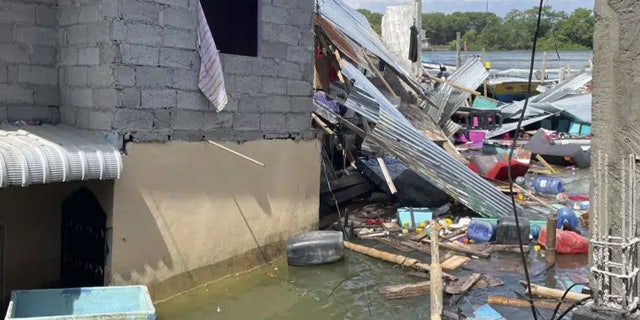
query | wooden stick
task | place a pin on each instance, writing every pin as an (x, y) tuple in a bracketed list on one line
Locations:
[(387, 176), (484, 55), (321, 123), (436, 277), (393, 258), (236, 153), (590, 65), (550, 248), (380, 76), (520, 303), (466, 52), (542, 291), (546, 164), (538, 200), (469, 282), (473, 92), (544, 65), (454, 246)]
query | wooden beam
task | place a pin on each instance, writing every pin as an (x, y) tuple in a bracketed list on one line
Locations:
[(387, 176), (322, 124), (461, 88), (380, 76)]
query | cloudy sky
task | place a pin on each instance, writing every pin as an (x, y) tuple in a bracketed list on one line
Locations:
[(500, 7)]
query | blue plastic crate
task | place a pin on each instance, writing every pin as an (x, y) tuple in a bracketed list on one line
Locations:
[(113, 303), (414, 216)]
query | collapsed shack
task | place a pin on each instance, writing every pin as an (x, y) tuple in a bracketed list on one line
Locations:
[(361, 120)]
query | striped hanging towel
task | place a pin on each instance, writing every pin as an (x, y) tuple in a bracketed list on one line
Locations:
[(211, 80)]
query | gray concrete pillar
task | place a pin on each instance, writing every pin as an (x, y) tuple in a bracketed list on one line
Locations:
[(616, 150)]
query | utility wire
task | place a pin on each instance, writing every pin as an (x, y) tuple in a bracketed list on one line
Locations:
[(513, 146)]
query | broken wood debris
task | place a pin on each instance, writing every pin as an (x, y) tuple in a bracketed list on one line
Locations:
[(405, 290), (545, 292)]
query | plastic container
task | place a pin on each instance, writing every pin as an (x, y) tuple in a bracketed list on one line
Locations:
[(567, 215), (477, 137), (315, 247), (534, 230), (567, 242), (507, 232), (547, 185), (123, 302), (481, 231), (413, 216)]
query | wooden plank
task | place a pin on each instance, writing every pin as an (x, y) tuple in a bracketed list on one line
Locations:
[(543, 291), (380, 76), (521, 303), (546, 164), (488, 281), (454, 262), (392, 227), (463, 285), (458, 247), (405, 290), (436, 277), (387, 176)]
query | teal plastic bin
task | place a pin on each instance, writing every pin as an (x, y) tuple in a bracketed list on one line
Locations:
[(113, 303), (414, 216)]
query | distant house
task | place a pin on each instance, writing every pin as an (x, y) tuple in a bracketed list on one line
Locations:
[(106, 176)]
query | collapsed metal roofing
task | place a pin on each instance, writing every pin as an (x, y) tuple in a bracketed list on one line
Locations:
[(398, 137), (47, 154)]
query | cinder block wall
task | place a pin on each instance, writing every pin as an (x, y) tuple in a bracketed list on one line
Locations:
[(132, 66), (28, 55)]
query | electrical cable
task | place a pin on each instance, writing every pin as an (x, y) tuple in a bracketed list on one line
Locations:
[(513, 146), (335, 200), (557, 308), (574, 305)]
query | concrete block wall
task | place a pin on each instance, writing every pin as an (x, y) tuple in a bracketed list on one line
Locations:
[(156, 76), (396, 23), (28, 57)]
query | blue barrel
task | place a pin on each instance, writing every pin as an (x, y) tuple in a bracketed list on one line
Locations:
[(535, 231), (567, 215), (548, 185), (481, 231)]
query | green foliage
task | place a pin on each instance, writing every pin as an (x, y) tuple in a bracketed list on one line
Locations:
[(375, 19), (515, 31)]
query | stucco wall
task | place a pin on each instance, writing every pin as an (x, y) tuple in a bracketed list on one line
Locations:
[(396, 22), (28, 56), (178, 210), (32, 222)]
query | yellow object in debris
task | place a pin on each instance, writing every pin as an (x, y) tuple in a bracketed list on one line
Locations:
[(405, 231), (487, 65), (537, 248), (448, 221), (419, 230), (521, 196), (423, 224), (406, 223)]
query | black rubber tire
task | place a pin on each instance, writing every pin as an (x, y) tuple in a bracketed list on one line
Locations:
[(315, 247)]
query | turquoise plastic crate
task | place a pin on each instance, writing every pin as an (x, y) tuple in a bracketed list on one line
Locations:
[(113, 303), (414, 216)]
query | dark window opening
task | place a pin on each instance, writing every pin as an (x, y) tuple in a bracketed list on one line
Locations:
[(235, 25)]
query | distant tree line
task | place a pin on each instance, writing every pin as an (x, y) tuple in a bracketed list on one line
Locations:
[(513, 32)]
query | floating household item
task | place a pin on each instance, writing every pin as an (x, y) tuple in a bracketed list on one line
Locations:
[(497, 168), (315, 247), (558, 153), (567, 217), (567, 242), (508, 233), (117, 303), (546, 185), (481, 231), (412, 217)]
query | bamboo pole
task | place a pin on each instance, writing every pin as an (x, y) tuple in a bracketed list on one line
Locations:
[(236, 153), (544, 65), (380, 76), (436, 277), (520, 303), (569, 69), (393, 258), (458, 49), (536, 199), (542, 291), (466, 52), (546, 164), (471, 91), (550, 248), (387, 176), (484, 56), (590, 65)]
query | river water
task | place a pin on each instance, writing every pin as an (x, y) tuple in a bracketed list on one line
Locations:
[(519, 61)]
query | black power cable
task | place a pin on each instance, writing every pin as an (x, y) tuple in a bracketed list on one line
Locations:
[(513, 146), (555, 310)]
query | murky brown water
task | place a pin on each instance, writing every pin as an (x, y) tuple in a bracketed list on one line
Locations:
[(348, 289)]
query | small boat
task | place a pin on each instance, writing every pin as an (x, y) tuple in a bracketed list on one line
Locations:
[(560, 151), (509, 89)]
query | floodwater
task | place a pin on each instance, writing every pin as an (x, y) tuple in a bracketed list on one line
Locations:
[(349, 289), (504, 60)]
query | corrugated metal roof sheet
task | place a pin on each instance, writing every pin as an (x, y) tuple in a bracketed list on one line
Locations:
[(401, 139), (48, 154)]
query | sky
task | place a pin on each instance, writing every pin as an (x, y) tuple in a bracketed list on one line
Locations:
[(499, 7)]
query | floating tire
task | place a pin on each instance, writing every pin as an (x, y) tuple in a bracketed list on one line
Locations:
[(314, 248)]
